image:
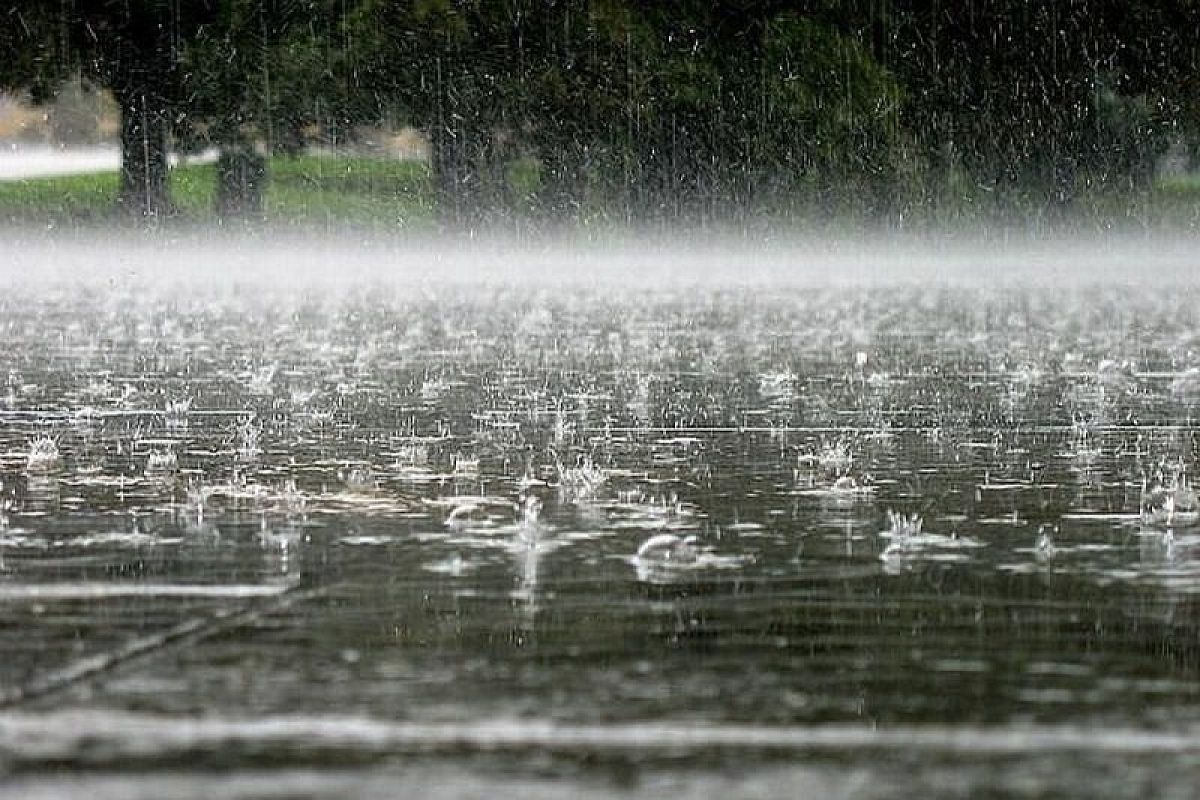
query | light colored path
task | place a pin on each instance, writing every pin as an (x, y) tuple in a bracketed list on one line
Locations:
[(21, 161), (40, 161)]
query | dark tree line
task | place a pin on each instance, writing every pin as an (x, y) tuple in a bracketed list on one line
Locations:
[(649, 110)]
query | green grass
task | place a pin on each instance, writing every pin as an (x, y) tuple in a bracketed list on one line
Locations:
[(342, 189), (352, 192), (75, 198), (303, 191), (1181, 187)]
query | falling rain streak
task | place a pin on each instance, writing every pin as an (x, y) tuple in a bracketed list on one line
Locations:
[(452, 399)]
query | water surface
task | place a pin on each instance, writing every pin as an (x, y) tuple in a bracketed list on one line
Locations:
[(266, 542)]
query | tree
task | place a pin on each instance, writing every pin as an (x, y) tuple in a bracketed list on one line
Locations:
[(661, 109), (728, 108), (1043, 99), (492, 82), (260, 74), (131, 47), (447, 66)]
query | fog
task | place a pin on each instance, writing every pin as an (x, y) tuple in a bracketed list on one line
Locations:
[(286, 259)]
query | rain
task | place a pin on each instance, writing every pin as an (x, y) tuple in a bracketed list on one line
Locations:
[(693, 400)]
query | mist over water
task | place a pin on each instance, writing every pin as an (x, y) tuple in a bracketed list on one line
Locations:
[(283, 260)]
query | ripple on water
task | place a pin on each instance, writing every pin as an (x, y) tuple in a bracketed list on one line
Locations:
[(391, 446)]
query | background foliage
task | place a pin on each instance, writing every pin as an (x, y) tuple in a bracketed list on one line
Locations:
[(570, 110)]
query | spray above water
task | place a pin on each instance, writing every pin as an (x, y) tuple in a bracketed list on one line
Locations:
[(285, 262)]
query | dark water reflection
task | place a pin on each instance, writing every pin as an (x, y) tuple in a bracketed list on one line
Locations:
[(427, 509)]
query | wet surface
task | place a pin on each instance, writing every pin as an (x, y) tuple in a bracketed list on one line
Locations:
[(876, 543)]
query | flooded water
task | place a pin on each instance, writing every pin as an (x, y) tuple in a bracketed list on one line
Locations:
[(493, 539)]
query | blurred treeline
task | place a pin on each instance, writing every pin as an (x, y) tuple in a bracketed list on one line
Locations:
[(880, 110)]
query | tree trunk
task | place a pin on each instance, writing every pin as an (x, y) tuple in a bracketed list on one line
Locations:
[(563, 181), (455, 178), (145, 129), (1062, 187), (241, 179)]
